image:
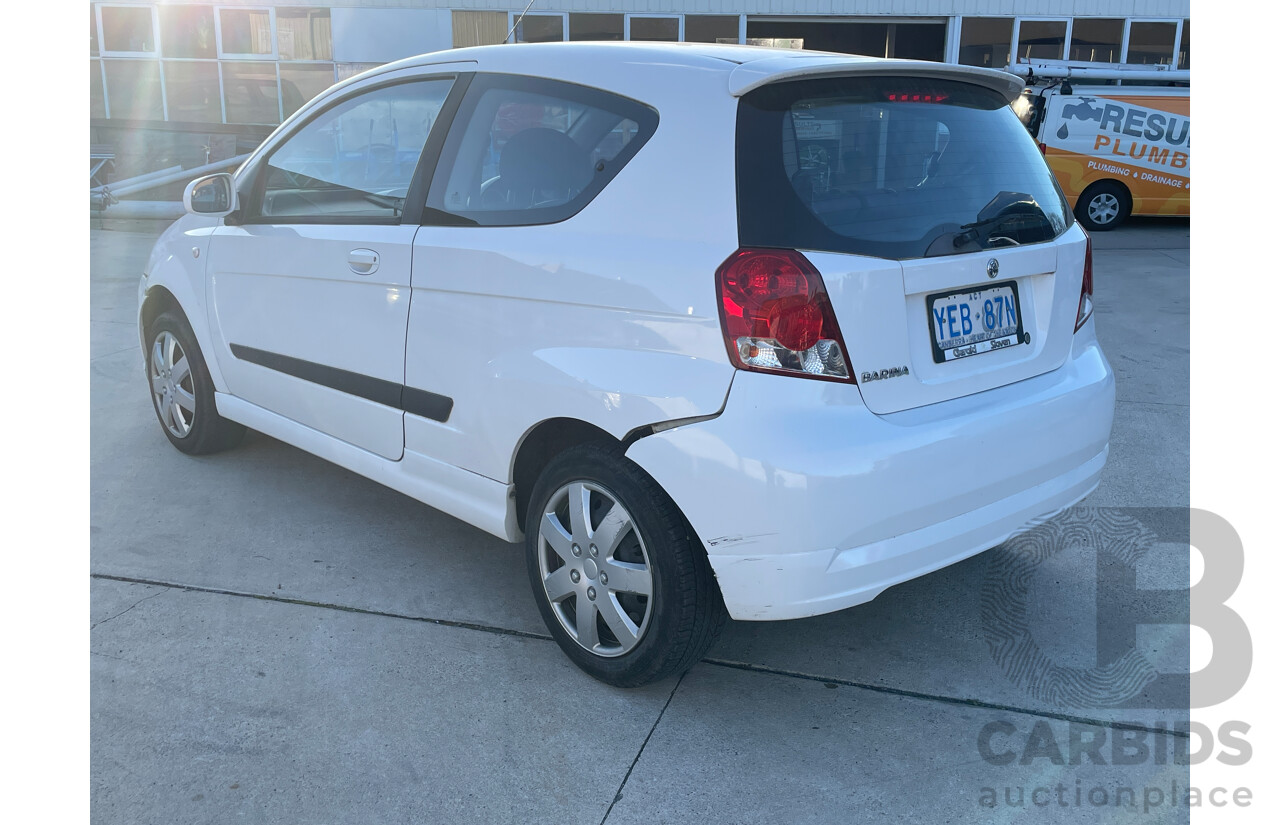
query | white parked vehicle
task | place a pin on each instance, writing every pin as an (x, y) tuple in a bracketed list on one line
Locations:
[(709, 328)]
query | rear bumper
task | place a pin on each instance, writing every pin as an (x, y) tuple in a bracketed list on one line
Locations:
[(807, 502)]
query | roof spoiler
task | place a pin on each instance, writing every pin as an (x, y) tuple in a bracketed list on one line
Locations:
[(757, 73)]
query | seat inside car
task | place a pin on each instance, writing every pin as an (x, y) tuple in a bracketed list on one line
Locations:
[(538, 167)]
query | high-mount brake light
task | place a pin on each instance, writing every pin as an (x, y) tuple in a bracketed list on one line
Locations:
[(917, 97), (776, 315), (1086, 285)]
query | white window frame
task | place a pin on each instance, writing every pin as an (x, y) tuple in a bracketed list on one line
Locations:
[(1177, 44), (1014, 56), (564, 23), (103, 51), (1173, 47), (217, 33), (679, 18), (275, 36)]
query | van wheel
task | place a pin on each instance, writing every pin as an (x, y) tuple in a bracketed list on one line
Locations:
[(623, 584), (1103, 206), (182, 391)]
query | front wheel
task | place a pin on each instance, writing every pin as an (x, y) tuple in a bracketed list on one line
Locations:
[(182, 391), (621, 581), (1104, 205)]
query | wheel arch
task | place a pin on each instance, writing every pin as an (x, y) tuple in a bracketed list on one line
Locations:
[(540, 445)]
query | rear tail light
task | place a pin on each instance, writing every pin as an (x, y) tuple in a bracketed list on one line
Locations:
[(1043, 148), (776, 315), (1086, 286)]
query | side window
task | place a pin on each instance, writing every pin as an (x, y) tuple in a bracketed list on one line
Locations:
[(530, 151), (355, 160)]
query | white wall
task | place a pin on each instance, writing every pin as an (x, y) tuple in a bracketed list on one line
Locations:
[(373, 35)]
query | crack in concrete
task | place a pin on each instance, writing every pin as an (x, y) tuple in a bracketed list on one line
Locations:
[(747, 666), (617, 797), (96, 625)]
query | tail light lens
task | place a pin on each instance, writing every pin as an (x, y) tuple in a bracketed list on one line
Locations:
[(1086, 286), (776, 315)]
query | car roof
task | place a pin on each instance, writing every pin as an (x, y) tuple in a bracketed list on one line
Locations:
[(748, 67)]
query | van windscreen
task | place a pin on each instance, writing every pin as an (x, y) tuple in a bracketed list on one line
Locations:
[(891, 167)]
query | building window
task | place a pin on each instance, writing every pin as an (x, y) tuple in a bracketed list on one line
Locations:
[(187, 31), (655, 29), (1184, 49), (1096, 40), (479, 28), (245, 32), (984, 41), (133, 87), (97, 103), (299, 82), (1151, 43), (252, 93), (917, 41), (711, 28), (191, 90), (128, 29), (1041, 39), (304, 34), (540, 28), (595, 27)]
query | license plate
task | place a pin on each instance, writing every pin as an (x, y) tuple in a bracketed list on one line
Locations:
[(974, 321)]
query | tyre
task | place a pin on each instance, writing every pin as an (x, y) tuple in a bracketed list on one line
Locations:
[(623, 584), (182, 391), (1104, 205)]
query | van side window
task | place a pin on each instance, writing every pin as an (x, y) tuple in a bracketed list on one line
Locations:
[(528, 151), (354, 161)]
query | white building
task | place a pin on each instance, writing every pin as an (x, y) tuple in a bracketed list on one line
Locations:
[(224, 72)]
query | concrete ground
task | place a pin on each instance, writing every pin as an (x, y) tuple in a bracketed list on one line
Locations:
[(276, 639)]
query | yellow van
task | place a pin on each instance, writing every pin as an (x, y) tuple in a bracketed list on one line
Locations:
[(1116, 150)]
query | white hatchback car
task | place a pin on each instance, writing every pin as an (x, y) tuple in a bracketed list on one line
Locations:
[(709, 328)]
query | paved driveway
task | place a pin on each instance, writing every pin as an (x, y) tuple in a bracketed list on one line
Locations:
[(276, 639)]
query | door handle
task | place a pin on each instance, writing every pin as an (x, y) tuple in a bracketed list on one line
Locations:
[(363, 261)]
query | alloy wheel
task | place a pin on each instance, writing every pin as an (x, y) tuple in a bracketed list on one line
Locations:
[(1104, 208), (595, 569), (172, 385)]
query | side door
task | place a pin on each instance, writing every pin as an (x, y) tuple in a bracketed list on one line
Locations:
[(309, 290)]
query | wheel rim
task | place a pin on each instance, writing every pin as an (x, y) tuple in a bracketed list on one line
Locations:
[(595, 569), (1104, 208), (172, 385)]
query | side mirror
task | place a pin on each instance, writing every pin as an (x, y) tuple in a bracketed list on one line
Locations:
[(213, 196)]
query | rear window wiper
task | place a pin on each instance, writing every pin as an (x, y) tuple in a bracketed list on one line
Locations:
[(1004, 208)]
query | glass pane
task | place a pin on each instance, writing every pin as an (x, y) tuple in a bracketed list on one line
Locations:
[(1041, 39), (299, 82), (127, 29), (96, 106), (841, 165), (93, 33), (540, 28), (595, 27), (918, 41), (246, 31), (304, 34), (542, 152), (187, 31), (984, 41), (655, 28), (479, 28), (133, 87), (1184, 50), (710, 28), (358, 158), (1096, 40), (1151, 43), (251, 92), (192, 91)]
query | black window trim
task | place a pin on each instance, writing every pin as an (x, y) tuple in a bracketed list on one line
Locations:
[(415, 197), (642, 114)]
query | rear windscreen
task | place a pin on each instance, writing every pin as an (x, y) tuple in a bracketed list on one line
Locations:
[(890, 167)]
